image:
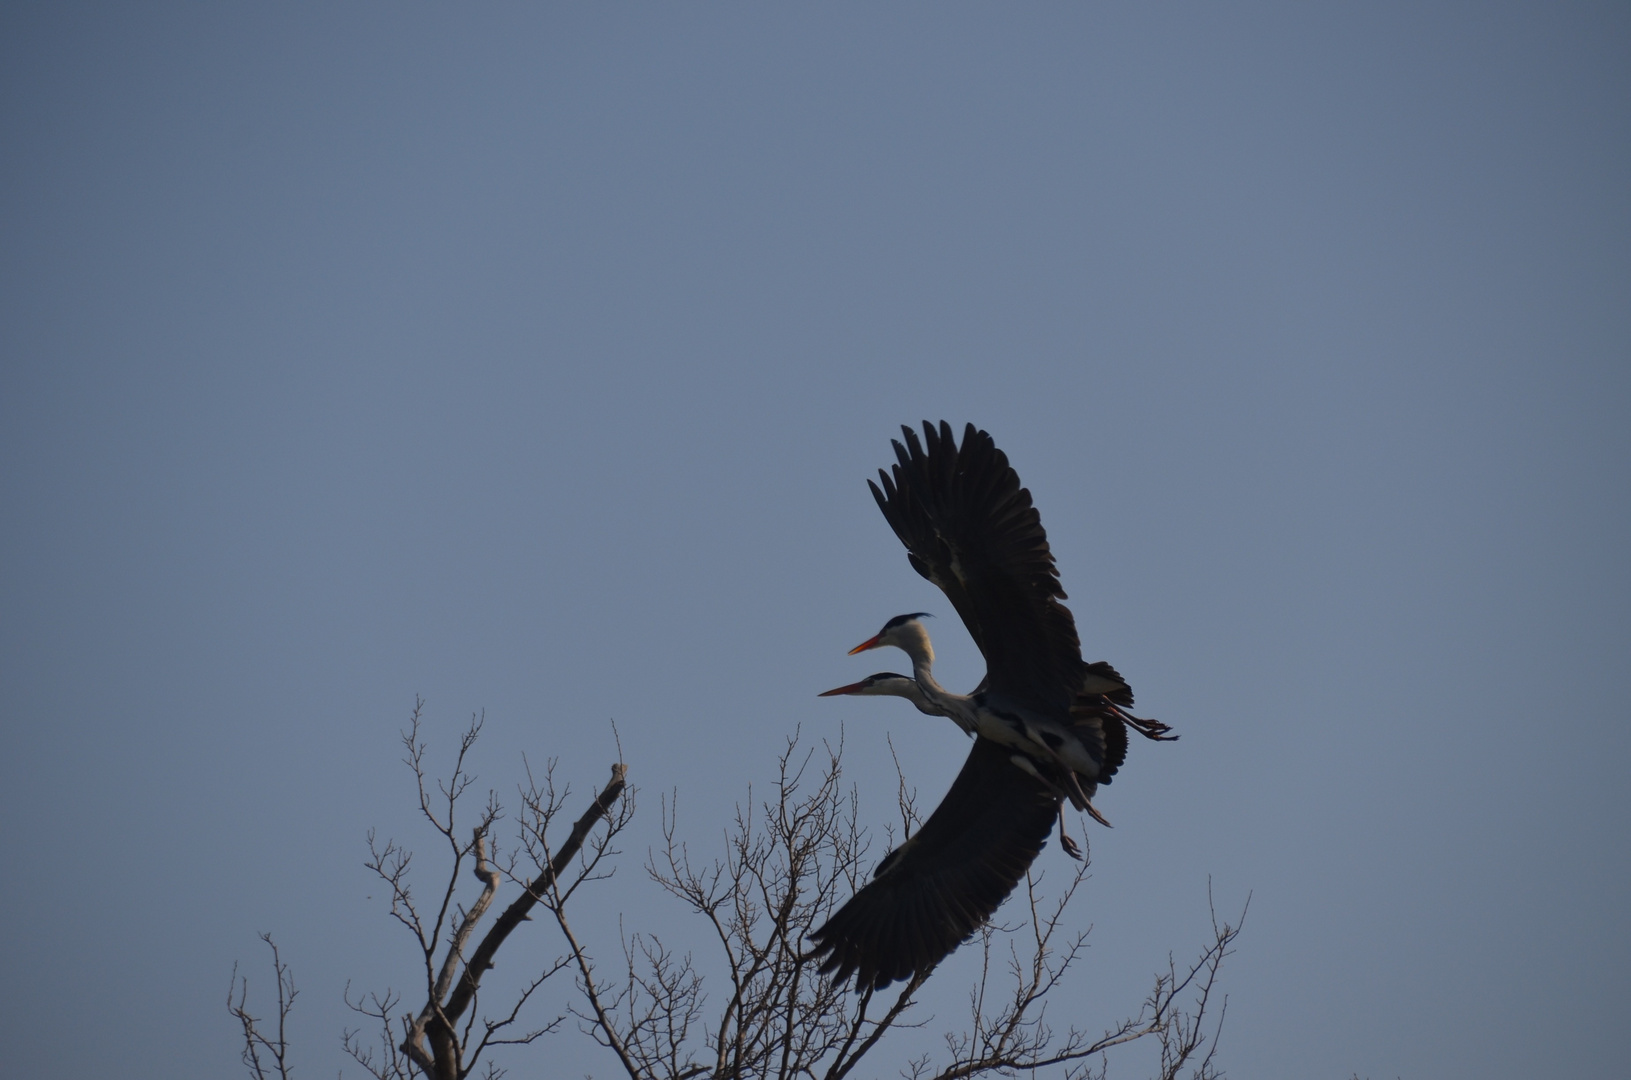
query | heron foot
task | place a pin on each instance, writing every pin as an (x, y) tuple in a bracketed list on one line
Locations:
[(1065, 841), (1150, 729)]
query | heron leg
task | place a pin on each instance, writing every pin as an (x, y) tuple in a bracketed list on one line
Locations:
[(1150, 729), (1064, 837), (1086, 803)]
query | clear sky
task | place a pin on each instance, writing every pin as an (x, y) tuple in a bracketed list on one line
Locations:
[(533, 360)]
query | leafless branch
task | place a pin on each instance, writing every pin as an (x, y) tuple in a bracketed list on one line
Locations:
[(256, 1041), (905, 801), (387, 1061), (432, 1041), (1015, 1036)]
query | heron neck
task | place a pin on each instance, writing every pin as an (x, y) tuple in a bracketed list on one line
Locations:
[(957, 706)]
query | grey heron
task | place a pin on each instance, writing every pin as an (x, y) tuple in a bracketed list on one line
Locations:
[(1048, 726)]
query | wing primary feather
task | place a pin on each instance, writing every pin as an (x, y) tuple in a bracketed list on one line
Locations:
[(962, 514), (944, 884)]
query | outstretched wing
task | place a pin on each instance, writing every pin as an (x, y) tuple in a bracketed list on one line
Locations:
[(970, 528), (942, 884)]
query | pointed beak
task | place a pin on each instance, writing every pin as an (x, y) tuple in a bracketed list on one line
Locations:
[(869, 643), (850, 689)]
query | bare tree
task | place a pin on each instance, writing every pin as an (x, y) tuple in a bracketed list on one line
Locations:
[(790, 859)]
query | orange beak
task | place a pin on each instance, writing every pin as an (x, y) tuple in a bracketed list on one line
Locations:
[(850, 689), (869, 643)]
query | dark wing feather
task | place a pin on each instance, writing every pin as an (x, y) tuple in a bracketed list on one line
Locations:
[(970, 528), (1099, 728), (941, 885), (1102, 732), (1122, 696)]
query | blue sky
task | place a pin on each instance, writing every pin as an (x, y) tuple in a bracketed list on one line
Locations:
[(533, 360)]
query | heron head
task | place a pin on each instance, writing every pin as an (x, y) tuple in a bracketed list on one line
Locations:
[(903, 632), (884, 683)]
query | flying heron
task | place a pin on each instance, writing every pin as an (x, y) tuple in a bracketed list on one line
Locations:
[(1048, 726)]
